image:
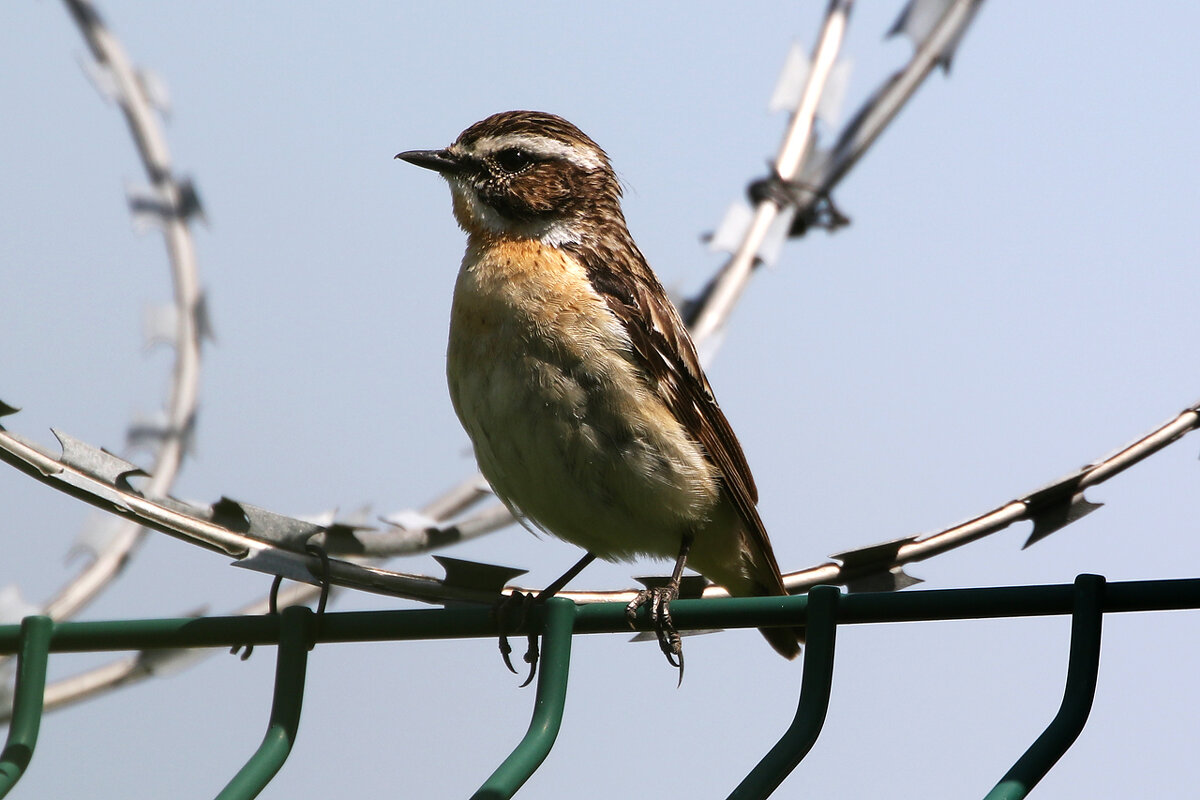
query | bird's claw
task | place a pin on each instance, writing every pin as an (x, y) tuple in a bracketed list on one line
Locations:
[(522, 602), (659, 600)]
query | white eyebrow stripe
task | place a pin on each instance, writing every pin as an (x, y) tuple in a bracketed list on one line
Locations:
[(580, 156)]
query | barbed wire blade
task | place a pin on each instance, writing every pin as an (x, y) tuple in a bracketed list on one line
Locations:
[(204, 326), (790, 85), (96, 462), (154, 88), (419, 532), (154, 206), (163, 662), (875, 566), (410, 519), (149, 207), (264, 525), (274, 561), (13, 605), (789, 89), (159, 322), (189, 204), (829, 109), (920, 18), (777, 234), (95, 536), (102, 79), (477, 523), (7, 410), (651, 636), (344, 536), (475, 575), (729, 234), (355, 520), (457, 499), (150, 431), (1056, 510), (893, 580)]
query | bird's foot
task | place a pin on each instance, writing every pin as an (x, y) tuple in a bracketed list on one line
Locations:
[(518, 603), (659, 600)]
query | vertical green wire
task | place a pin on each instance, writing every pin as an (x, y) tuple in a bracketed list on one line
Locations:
[(815, 685), (27, 700), (294, 642), (1082, 667), (548, 706)]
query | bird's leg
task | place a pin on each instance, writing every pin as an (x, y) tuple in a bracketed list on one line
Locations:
[(525, 601), (659, 599), (517, 600), (565, 578)]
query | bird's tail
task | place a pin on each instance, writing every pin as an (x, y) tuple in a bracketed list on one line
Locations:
[(786, 641), (764, 581)]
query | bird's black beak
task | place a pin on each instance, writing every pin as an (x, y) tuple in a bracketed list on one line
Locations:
[(437, 160)]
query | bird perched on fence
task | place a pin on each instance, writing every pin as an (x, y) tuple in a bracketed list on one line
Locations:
[(575, 377)]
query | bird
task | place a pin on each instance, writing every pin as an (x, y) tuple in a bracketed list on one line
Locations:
[(577, 381)]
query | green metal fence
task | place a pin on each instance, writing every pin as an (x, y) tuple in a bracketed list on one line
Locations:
[(297, 629)]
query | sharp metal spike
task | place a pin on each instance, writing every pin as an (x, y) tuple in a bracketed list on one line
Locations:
[(1051, 518), (274, 561), (651, 636), (151, 430), (102, 78), (189, 200), (892, 580), (158, 324), (204, 327), (162, 662), (919, 19), (475, 575), (777, 234), (148, 206), (152, 206), (96, 535), (410, 520), (263, 524), (147, 430), (729, 234), (155, 89), (829, 108), (340, 537), (790, 86), (1057, 505), (883, 553), (13, 606), (874, 568), (485, 519), (96, 462)]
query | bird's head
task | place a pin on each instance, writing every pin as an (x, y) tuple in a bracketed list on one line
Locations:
[(526, 174)]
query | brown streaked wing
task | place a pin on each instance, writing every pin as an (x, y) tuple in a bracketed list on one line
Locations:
[(666, 353)]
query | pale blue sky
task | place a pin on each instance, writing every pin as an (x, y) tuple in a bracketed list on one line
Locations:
[(1016, 296)]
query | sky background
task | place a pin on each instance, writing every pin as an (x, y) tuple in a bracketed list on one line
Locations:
[(1015, 298)]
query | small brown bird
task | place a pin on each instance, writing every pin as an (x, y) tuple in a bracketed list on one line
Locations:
[(575, 377)]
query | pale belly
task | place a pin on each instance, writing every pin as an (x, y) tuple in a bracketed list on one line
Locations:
[(567, 432)]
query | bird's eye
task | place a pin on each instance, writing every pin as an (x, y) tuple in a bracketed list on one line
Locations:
[(513, 159)]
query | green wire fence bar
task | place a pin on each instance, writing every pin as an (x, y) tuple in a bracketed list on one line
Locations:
[(296, 630)]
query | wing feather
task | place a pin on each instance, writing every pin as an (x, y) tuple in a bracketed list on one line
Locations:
[(666, 354)]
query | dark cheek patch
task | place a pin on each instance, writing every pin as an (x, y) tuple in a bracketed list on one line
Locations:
[(546, 189)]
